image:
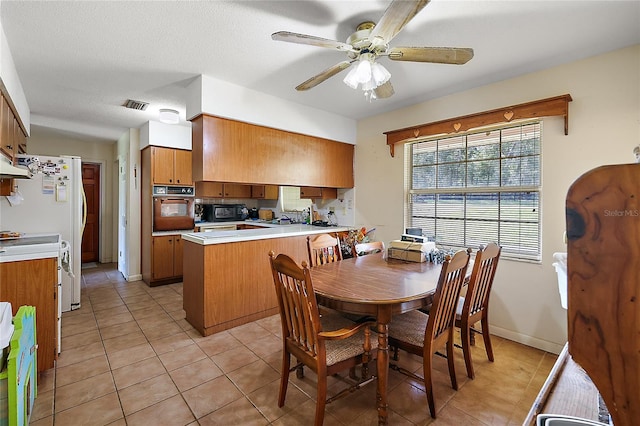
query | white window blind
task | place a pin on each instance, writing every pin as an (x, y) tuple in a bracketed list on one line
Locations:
[(478, 187)]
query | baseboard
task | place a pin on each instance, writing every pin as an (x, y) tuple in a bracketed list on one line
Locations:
[(137, 277), (534, 342)]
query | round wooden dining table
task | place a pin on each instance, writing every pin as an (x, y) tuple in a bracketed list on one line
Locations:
[(380, 287)]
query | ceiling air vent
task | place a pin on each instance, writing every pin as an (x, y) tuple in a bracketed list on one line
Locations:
[(140, 106)]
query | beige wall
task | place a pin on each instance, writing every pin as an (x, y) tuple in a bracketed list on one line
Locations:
[(45, 141), (604, 127)]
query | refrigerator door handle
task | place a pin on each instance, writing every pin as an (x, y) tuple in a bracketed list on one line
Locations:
[(84, 209)]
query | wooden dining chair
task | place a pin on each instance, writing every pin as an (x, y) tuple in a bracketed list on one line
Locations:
[(422, 334), (323, 249), (363, 249), (474, 306), (347, 345)]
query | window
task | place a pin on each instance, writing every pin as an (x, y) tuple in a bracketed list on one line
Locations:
[(290, 200), (478, 187)]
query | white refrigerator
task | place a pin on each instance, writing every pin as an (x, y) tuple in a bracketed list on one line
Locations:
[(52, 201)]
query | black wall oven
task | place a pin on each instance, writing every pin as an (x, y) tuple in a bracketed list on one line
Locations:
[(173, 208)]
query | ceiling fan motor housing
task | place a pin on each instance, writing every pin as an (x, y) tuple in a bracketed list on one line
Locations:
[(360, 41)]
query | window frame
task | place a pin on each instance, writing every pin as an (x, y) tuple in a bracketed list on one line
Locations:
[(511, 251)]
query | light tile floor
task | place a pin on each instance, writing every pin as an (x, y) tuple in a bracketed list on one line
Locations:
[(130, 358)]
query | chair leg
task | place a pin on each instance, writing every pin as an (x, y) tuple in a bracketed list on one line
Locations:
[(395, 353), (487, 338), (427, 365), (450, 361), (352, 373), (284, 377), (299, 370), (466, 348), (321, 398)]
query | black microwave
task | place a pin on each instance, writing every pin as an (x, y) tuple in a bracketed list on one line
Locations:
[(224, 212)]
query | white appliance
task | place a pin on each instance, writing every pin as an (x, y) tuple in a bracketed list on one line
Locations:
[(52, 201)]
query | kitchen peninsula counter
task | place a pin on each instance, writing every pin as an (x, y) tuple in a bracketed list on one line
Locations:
[(267, 232), (227, 278)]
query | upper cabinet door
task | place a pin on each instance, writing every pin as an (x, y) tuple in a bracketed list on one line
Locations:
[(162, 166), (231, 151), (7, 125), (236, 190), (182, 161)]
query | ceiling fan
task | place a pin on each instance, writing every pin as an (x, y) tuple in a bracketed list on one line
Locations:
[(371, 41)]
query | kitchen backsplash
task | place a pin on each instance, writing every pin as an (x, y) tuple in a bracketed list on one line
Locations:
[(342, 207)]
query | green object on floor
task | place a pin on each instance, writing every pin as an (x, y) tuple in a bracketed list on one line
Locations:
[(18, 381)]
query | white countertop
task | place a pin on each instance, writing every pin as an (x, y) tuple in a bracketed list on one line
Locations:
[(269, 231), (30, 247), (265, 224)]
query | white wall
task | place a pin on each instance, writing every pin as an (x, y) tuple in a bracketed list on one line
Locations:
[(11, 82), (128, 222), (211, 96), (167, 135), (44, 141), (604, 127)]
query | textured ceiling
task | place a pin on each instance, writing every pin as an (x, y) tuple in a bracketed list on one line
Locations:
[(78, 61)]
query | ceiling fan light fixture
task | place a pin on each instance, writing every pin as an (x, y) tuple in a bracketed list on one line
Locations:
[(169, 116), (368, 74), (379, 74), (363, 70), (351, 78)]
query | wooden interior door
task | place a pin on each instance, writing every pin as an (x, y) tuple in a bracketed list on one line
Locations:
[(91, 234)]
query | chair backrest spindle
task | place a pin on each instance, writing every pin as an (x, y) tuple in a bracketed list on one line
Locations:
[(301, 319), (484, 270), (323, 249), (445, 300)]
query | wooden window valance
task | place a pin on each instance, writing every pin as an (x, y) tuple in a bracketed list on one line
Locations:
[(549, 107)]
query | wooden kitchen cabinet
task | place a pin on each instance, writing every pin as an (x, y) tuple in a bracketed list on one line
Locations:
[(170, 166), (218, 294), (226, 150), (209, 189), (183, 167), (236, 190), (7, 133), (244, 226), (318, 193), (166, 257), (265, 192), (13, 140), (222, 190), (35, 283)]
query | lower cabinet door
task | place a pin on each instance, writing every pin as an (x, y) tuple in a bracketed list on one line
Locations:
[(163, 259)]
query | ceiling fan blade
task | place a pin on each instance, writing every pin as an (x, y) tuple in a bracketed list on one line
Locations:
[(324, 75), (384, 91), (311, 40), (439, 55), (397, 15)]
